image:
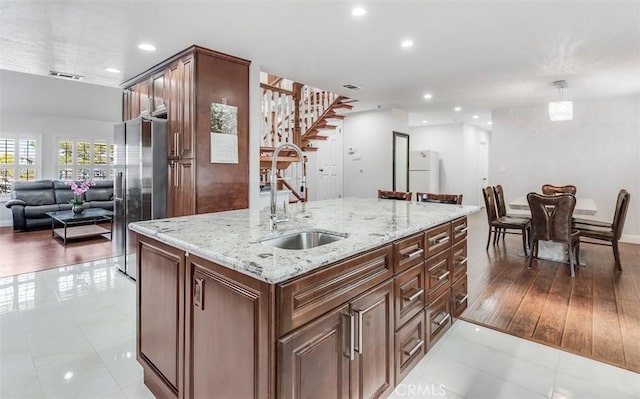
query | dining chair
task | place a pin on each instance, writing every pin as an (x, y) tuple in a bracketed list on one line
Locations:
[(549, 189), (551, 220), (439, 198), (603, 231), (396, 195), (503, 224)]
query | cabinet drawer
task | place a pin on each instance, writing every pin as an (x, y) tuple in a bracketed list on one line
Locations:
[(459, 296), (408, 252), (437, 239), (410, 346), (305, 298), (438, 275), (438, 318), (459, 260), (409, 294), (459, 229)]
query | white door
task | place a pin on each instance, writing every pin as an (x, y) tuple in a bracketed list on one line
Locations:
[(329, 163), (483, 168)]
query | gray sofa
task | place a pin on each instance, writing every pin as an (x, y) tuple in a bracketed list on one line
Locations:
[(31, 199)]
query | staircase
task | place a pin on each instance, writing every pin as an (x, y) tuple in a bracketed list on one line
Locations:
[(298, 114)]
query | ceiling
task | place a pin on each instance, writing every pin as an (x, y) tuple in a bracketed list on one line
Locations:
[(478, 55)]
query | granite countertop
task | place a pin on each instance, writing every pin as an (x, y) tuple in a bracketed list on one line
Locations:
[(232, 238)]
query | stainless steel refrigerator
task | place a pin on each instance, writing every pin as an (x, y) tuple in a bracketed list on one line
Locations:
[(140, 184)]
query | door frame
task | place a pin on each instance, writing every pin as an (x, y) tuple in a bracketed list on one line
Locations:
[(396, 135)]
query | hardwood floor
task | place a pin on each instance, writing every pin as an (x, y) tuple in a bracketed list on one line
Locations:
[(596, 314), (37, 250)]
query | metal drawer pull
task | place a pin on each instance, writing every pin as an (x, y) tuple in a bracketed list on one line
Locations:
[(441, 277), (352, 336), (462, 300), (435, 241), (419, 291), (444, 319), (462, 230), (416, 348), (415, 253), (462, 261)]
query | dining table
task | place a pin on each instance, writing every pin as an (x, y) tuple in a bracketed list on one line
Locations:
[(554, 251)]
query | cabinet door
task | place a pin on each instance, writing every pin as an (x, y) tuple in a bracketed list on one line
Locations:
[(174, 106), (228, 333), (372, 369), (313, 361), (459, 260), (187, 114), (157, 86), (144, 90), (181, 188), (160, 317)]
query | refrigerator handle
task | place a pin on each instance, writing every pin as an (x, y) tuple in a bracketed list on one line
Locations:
[(117, 186)]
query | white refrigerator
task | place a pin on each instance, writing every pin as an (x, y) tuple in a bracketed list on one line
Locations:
[(424, 172)]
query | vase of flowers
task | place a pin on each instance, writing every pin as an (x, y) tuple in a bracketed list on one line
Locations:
[(78, 191)]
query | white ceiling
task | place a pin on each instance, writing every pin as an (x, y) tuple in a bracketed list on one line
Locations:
[(479, 55)]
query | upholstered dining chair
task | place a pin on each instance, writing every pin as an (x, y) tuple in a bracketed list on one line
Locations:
[(549, 189), (503, 224), (440, 198), (551, 220), (603, 231), (396, 195)]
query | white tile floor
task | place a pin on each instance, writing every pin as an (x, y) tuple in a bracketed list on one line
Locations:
[(70, 333)]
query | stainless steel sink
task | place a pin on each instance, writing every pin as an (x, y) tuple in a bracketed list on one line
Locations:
[(303, 239)]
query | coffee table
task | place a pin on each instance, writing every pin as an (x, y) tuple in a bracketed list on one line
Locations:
[(80, 225)]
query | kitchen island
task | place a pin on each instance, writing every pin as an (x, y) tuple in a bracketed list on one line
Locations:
[(223, 314)]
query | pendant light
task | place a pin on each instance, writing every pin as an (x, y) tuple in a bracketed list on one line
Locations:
[(560, 110)]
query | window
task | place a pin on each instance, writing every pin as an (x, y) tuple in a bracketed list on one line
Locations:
[(84, 159), (18, 160)]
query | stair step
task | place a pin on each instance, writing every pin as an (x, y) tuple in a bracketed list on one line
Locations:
[(343, 105), (314, 137), (309, 149)]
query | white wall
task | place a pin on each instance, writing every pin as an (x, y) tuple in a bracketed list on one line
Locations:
[(370, 135), (457, 145), (52, 108), (599, 152)]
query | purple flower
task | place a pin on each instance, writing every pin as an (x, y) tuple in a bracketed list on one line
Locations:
[(79, 190)]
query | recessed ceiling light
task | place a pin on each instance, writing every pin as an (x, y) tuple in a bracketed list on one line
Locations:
[(358, 11), (425, 121), (457, 109), (489, 123), (407, 43), (475, 117), (112, 70), (146, 47), (428, 96)]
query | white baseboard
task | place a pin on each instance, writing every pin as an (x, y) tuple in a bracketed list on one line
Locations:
[(630, 238), (6, 223)]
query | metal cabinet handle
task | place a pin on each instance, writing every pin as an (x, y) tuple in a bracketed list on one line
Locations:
[(444, 319), (360, 338), (442, 276), (416, 348), (352, 336), (462, 230), (414, 296), (462, 300), (415, 253), (176, 143), (198, 293), (435, 241), (462, 261)]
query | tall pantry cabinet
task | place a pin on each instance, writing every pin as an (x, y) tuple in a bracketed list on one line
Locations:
[(182, 90)]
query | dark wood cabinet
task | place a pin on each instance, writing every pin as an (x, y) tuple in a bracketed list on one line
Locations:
[(227, 337), (183, 88), (314, 361), (352, 329), (180, 188), (160, 293), (372, 373)]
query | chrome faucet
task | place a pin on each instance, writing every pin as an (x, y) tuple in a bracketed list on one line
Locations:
[(273, 220)]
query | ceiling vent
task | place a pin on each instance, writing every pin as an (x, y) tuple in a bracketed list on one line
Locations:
[(352, 87), (65, 75)]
